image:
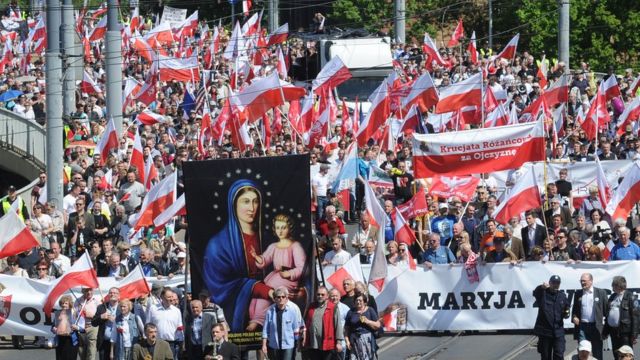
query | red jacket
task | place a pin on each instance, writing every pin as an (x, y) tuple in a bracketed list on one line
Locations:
[(328, 326)]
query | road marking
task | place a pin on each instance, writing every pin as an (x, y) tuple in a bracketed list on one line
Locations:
[(393, 343), (440, 347), (522, 347)]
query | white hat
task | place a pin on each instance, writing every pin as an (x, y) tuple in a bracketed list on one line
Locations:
[(183, 255), (584, 345), (626, 349), (443, 206)]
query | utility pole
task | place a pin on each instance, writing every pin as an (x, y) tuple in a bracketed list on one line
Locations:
[(114, 65), (54, 103), (233, 12), (273, 16), (490, 24), (400, 21), (69, 57), (563, 34)]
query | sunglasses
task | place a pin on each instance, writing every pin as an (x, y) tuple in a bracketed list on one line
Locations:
[(280, 297)]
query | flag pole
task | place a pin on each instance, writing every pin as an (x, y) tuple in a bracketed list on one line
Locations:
[(482, 100)]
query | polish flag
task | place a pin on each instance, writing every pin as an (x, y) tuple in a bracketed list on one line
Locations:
[(88, 85), (160, 35), (631, 113), (542, 73), (176, 209), (147, 93), (524, 196), (465, 93), (378, 218), (252, 25), (135, 20), (390, 320), (350, 270), (332, 74), (498, 117), (308, 114), (633, 88), (15, 237), (40, 31), (377, 115), (99, 31), (179, 69), (477, 151), (139, 45), (604, 189), (189, 25), (472, 49), (246, 7), (431, 50), (423, 94), (282, 65), (402, 232), (411, 121), (235, 43), (81, 273), (626, 195), (150, 175), (262, 95), (606, 250), (279, 36), (416, 206), (490, 101), (460, 186), (134, 285), (131, 87), (558, 92), (108, 141), (148, 117), (137, 157), (610, 88), (509, 52), (458, 33), (597, 115), (158, 199)]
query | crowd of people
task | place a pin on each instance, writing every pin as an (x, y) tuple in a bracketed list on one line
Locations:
[(101, 197)]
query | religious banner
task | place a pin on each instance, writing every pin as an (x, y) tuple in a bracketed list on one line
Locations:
[(477, 151), (250, 233), (173, 16), (443, 298)]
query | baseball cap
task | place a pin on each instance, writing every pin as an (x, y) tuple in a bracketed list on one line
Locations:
[(443, 206), (182, 255), (554, 279), (626, 349), (11, 188), (584, 345)]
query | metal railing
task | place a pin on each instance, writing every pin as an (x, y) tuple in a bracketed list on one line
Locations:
[(23, 137)]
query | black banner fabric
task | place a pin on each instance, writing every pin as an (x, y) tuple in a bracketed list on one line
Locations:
[(250, 233)]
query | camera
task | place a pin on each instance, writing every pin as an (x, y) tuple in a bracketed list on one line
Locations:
[(601, 235)]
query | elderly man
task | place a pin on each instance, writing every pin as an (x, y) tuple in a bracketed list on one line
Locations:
[(436, 253), (168, 320), (86, 306), (334, 297), (283, 325), (104, 319), (366, 232), (590, 306), (219, 346), (152, 348), (369, 252), (132, 191), (558, 209), (324, 334), (625, 249), (622, 320), (329, 217)]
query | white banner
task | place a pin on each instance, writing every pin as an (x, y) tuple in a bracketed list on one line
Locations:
[(173, 16), (444, 299), (21, 302)]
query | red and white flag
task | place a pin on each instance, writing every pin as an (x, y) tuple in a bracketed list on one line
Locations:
[(610, 88), (497, 117), (465, 93), (137, 157), (430, 49), (282, 64), (15, 237), (378, 218), (558, 92), (542, 72), (477, 151), (509, 52), (246, 7), (150, 175), (411, 121), (447, 186), (390, 320), (158, 199), (630, 114), (524, 196), (350, 270), (332, 74), (148, 117), (262, 95), (402, 232), (458, 33), (279, 36), (88, 85), (81, 273), (604, 189), (606, 249), (160, 35), (626, 195), (134, 285), (416, 206), (473, 49), (142, 47), (596, 116), (177, 208), (251, 26), (98, 32), (185, 69), (108, 141), (377, 115), (423, 94)]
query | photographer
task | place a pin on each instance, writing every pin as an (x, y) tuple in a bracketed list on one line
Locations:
[(601, 231)]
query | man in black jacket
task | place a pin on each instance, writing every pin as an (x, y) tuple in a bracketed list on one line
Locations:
[(622, 320), (590, 306), (227, 350), (553, 307), (104, 319)]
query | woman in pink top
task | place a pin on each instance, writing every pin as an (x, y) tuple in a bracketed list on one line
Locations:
[(288, 259)]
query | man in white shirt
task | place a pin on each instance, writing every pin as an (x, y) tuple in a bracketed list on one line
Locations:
[(168, 319), (590, 306), (320, 186), (62, 262), (86, 306), (337, 256)]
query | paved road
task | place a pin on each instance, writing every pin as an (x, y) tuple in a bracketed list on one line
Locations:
[(427, 347)]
